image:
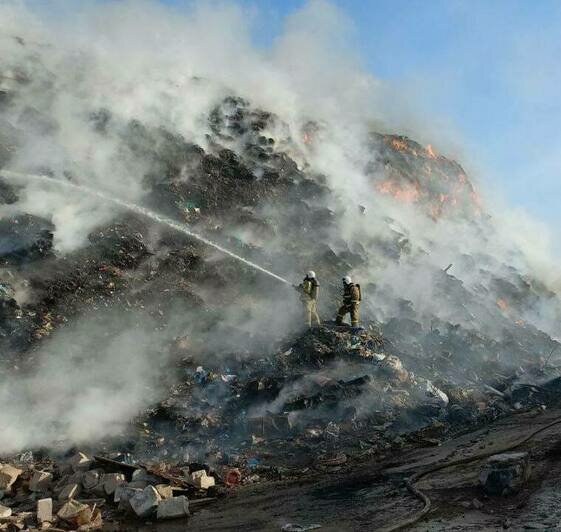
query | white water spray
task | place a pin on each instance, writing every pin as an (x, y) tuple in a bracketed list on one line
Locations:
[(158, 218)]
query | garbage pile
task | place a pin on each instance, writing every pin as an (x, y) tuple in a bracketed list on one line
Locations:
[(250, 395)]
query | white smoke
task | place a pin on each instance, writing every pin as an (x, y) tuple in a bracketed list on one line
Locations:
[(166, 67), (85, 382)]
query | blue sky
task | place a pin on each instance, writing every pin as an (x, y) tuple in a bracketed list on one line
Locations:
[(489, 68)]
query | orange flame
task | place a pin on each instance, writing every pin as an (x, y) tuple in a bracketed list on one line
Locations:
[(430, 152), (407, 193), (398, 144), (502, 304)]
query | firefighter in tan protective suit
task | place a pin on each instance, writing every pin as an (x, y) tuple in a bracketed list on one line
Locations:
[(309, 290), (351, 302)]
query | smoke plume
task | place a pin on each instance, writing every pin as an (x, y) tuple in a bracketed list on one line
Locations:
[(86, 75)]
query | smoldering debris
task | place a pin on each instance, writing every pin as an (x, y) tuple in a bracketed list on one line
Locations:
[(180, 361), (182, 374)]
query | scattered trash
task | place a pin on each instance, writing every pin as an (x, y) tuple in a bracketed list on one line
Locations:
[(233, 477)]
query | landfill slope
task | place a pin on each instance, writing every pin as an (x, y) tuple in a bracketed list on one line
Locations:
[(157, 356)]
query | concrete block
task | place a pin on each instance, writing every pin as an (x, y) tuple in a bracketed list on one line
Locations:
[(75, 513), (111, 481), (164, 490), (201, 480), (45, 510), (173, 508), (145, 503), (505, 474), (123, 495), (40, 481), (8, 475), (76, 478), (138, 484), (92, 478), (80, 462), (70, 491)]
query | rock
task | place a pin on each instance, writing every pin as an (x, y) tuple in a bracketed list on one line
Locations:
[(92, 478), (5, 511), (139, 474), (201, 480), (45, 510), (124, 492), (40, 481), (70, 491), (173, 508), (61, 484), (76, 478), (75, 513), (95, 523), (165, 491), (111, 481), (138, 484), (80, 462), (145, 502), (505, 474), (8, 475), (123, 495)]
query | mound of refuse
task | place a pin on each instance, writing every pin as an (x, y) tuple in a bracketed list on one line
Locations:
[(180, 371)]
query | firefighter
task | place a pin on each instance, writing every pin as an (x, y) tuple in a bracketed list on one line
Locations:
[(309, 290), (351, 302)]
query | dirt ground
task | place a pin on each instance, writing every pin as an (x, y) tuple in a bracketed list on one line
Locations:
[(372, 497)]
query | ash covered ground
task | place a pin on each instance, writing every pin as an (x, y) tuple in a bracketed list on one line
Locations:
[(135, 356)]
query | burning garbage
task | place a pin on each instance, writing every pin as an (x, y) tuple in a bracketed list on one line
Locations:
[(152, 322)]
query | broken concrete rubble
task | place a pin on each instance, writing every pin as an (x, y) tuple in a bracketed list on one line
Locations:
[(123, 496), (111, 481), (5, 511), (70, 491), (75, 513), (45, 510), (80, 462), (145, 502), (8, 475), (505, 474), (165, 491), (40, 481), (92, 478), (173, 508), (201, 480)]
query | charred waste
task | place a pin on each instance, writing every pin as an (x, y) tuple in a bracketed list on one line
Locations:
[(140, 366)]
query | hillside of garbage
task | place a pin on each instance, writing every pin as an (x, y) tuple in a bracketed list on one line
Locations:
[(148, 375)]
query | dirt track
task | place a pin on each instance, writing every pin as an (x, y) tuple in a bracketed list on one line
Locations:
[(368, 498)]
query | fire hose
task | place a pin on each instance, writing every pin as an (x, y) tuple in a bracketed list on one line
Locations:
[(425, 499)]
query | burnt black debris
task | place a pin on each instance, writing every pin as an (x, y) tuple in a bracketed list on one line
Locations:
[(248, 398)]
